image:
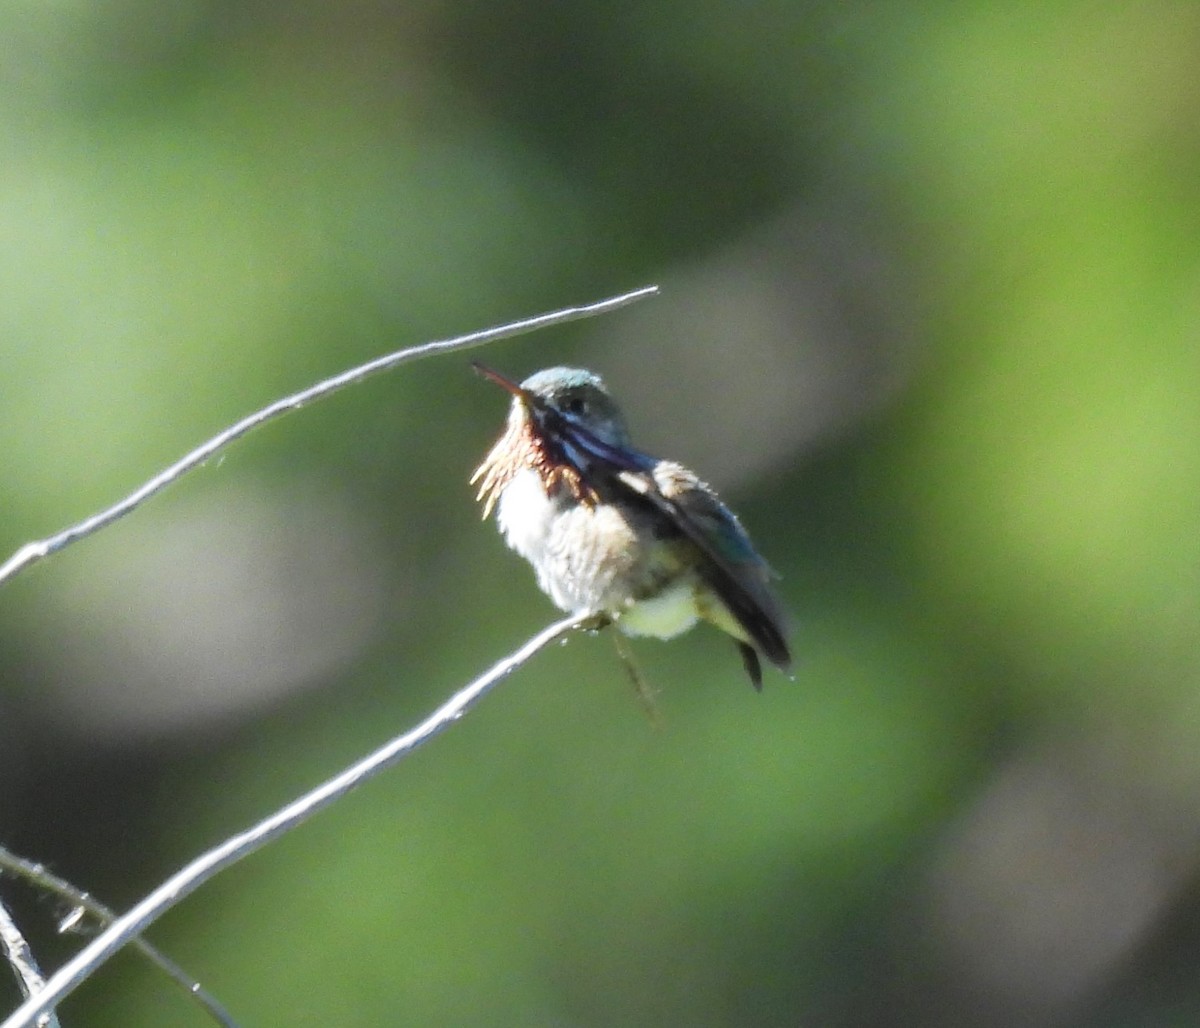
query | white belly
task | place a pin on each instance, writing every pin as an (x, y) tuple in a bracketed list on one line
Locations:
[(666, 615), (595, 559)]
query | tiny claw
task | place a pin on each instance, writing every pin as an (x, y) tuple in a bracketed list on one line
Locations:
[(596, 623)]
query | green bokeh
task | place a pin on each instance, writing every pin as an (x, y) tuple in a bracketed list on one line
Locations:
[(989, 541)]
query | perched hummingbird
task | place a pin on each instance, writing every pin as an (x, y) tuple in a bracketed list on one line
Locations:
[(618, 533)]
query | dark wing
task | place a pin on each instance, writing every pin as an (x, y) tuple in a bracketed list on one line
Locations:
[(733, 569)]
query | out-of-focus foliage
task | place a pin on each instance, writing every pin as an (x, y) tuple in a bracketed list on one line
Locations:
[(930, 315)]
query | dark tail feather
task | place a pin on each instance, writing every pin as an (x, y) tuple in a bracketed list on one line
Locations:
[(760, 623), (751, 664)]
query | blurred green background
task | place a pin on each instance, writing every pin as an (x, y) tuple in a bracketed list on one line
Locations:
[(931, 287)]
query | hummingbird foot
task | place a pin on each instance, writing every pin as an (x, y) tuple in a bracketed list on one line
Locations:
[(596, 622)]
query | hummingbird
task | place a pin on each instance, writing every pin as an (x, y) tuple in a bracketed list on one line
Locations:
[(615, 532)]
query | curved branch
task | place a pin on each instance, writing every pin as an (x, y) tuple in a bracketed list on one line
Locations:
[(32, 552), (41, 877), (64, 981)]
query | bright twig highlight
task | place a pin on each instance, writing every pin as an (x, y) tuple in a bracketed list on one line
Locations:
[(184, 882), (32, 552)]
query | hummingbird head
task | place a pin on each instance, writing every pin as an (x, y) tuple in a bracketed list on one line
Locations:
[(563, 424), (555, 401)]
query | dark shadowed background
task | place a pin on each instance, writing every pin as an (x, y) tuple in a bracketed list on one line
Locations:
[(930, 312)]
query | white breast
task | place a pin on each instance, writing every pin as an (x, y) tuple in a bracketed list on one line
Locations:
[(594, 558), (524, 514)]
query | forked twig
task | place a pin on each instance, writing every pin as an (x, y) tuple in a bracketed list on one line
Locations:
[(20, 958), (185, 881), (39, 876), (38, 1007), (32, 552)]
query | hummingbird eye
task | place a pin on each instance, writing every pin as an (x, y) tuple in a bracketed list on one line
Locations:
[(576, 405)]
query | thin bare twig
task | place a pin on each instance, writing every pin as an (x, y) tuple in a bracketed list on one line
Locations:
[(20, 958), (41, 877), (32, 552), (185, 881), (641, 688)]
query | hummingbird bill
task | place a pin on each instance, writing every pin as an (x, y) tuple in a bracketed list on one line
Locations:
[(615, 532)]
